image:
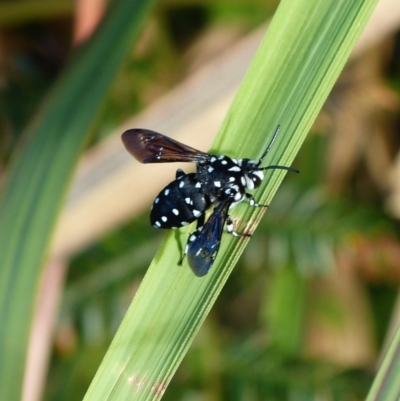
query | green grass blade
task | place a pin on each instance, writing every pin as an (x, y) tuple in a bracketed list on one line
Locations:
[(39, 176), (386, 386), (295, 67)]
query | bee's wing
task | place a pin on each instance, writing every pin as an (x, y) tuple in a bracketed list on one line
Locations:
[(151, 147), (204, 243)]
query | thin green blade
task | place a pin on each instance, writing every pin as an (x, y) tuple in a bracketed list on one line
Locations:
[(39, 177), (386, 386)]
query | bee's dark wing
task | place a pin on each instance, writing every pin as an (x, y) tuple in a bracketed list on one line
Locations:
[(204, 243), (151, 147)]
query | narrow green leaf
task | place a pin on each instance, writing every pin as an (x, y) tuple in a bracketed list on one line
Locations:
[(39, 177), (295, 67), (386, 386)]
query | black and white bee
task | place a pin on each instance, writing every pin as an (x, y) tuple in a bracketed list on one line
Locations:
[(220, 180)]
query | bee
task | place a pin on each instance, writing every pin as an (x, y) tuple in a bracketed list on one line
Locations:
[(220, 181)]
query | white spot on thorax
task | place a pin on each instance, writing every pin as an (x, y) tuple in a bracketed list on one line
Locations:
[(249, 183), (259, 174)]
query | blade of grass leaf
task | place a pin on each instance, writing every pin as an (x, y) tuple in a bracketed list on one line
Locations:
[(386, 384), (291, 75), (39, 176)]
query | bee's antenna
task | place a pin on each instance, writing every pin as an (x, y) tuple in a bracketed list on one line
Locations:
[(293, 170), (270, 144)]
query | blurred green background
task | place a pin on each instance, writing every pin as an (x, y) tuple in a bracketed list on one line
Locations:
[(308, 309)]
